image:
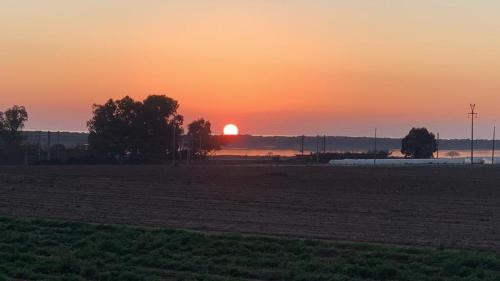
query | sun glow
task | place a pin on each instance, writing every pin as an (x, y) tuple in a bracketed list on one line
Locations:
[(230, 130)]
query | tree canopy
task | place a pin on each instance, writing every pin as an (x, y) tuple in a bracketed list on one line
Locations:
[(11, 124), (419, 143), (200, 139), (132, 129)]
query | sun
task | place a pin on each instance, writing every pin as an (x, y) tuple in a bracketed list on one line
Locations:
[(230, 130)]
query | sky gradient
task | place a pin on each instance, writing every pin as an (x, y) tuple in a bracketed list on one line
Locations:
[(271, 67)]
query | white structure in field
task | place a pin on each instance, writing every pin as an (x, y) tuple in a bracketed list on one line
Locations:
[(407, 162)]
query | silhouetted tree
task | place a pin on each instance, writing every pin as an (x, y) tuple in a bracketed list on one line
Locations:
[(160, 120), (200, 139), (11, 124), (128, 129), (419, 143)]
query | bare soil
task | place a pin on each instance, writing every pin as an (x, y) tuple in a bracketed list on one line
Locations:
[(427, 206)]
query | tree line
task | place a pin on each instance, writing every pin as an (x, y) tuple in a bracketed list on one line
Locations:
[(148, 131), (120, 131)]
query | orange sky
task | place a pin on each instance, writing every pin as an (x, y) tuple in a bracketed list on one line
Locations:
[(271, 67)]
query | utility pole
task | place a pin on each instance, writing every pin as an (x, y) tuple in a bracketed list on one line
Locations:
[(39, 146), (192, 148), (174, 148), (48, 146), (191, 151), (199, 148), (317, 148), (437, 146), (324, 144), (58, 145), (472, 116), (493, 148), (375, 148), (302, 146)]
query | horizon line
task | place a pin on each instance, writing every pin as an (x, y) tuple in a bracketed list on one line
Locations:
[(284, 135)]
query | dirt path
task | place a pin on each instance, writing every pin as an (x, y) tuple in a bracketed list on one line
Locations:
[(455, 207)]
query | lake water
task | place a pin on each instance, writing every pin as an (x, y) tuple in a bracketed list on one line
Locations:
[(291, 152)]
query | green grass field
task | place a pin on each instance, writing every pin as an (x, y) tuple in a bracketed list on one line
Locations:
[(55, 250)]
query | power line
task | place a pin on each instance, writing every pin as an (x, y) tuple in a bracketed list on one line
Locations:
[(472, 115)]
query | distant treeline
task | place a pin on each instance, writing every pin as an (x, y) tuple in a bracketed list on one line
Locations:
[(340, 143), (333, 143), (327, 156), (122, 131)]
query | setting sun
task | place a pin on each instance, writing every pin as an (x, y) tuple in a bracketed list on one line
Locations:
[(230, 130)]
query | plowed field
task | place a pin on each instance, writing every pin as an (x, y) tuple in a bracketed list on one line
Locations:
[(429, 206)]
